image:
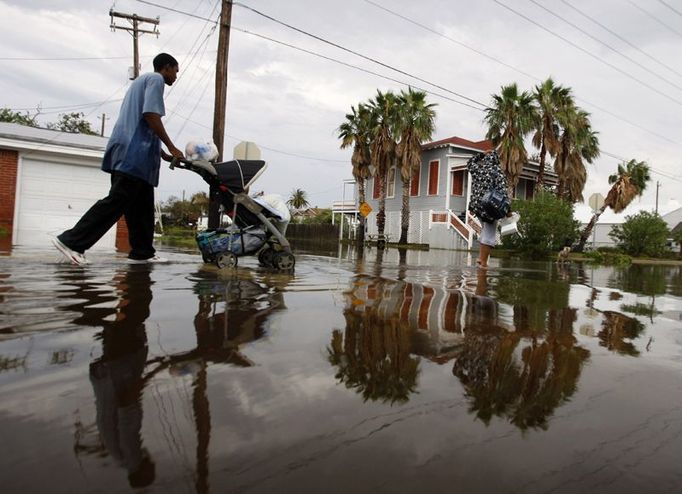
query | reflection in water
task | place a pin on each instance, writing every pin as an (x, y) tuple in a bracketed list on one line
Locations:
[(117, 377), (231, 312), (616, 328), (522, 373)]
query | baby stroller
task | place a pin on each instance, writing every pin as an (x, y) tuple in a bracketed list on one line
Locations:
[(258, 224)]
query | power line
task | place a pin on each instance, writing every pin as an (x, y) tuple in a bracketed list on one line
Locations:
[(578, 47), (328, 58), (627, 57), (274, 150), (516, 69), (57, 109), (361, 69), (671, 8), (437, 33), (654, 170), (357, 54), (58, 59), (177, 11), (623, 119), (623, 39), (648, 14)]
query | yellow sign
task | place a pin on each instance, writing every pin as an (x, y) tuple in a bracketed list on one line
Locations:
[(365, 209)]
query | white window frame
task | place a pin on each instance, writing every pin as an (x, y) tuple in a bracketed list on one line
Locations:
[(390, 182)]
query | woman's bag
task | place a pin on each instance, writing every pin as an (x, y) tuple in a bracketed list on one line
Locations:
[(495, 204)]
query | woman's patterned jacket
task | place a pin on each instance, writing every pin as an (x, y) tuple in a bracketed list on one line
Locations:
[(486, 175)]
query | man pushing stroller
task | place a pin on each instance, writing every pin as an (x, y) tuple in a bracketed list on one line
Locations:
[(132, 157)]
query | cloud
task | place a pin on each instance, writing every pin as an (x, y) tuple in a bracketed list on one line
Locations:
[(292, 102)]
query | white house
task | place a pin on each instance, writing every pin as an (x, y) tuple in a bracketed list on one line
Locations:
[(48, 179), (439, 195)]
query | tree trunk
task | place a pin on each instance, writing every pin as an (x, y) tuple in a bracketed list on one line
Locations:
[(405, 213), (560, 189), (381, 214), (588, 229), (541, 171), (360, 238)]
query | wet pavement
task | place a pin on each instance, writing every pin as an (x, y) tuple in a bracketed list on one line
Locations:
[(374, 375)]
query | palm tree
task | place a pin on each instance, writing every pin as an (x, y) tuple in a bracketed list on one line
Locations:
[(298, 199), (383, 145), (200, 200), (510, 118), (628, 183), (550, 98), (355, 131), (415, 125), (578, 143)]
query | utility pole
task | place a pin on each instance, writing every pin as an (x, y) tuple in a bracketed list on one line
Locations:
[(658, 184), (104, 118), (220, 103), (135, 20)]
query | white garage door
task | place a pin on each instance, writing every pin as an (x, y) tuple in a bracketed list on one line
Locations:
[(53, 196)]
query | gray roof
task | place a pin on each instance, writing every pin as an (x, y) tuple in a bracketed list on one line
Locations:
[(46, 136)]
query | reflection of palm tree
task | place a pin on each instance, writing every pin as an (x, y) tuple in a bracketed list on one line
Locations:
[(373, 357), (616, 328), (524, 386)]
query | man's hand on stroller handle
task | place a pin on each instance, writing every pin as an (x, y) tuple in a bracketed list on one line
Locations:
[(175, 153)]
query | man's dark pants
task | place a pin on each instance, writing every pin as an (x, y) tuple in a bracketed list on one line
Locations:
[(128, 196)]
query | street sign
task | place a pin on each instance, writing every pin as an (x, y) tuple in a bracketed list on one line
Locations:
[(596, 201), (365, 209), (246, 151)]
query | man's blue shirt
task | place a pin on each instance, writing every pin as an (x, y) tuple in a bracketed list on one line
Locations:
[(133, 148)]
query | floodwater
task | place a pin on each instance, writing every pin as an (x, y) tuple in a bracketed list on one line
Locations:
[(380, 375)]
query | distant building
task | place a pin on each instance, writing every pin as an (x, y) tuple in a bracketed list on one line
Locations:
[(439, 194), (48, 179)]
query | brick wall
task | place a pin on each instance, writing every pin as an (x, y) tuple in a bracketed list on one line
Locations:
[(122, 244), (8, 185)]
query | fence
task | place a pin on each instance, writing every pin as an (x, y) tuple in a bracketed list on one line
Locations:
[(311, 236)]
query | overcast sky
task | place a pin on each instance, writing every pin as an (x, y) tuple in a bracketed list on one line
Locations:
[(290, 102)]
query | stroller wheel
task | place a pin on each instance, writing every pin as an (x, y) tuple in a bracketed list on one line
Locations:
[(266, 257), (206, 258), (284, 261), (226, 260)]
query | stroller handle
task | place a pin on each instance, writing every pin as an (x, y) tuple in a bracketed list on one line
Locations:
[(193, 165)]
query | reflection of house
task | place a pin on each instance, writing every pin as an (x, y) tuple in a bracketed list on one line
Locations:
[(439, 194), (48, 179), (437, 318)]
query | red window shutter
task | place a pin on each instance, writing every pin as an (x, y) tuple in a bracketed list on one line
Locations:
[(414, 182), (376, 193), (433, 178), (458, 183)]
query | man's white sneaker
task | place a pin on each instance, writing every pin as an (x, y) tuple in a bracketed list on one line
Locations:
[(152, 260), (74, 257)]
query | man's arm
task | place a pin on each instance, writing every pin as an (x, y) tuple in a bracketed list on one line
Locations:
[(154, 122)]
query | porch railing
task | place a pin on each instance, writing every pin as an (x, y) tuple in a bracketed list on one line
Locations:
[(452, 221)]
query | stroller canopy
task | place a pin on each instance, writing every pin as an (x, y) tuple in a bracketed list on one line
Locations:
[(237, 175)]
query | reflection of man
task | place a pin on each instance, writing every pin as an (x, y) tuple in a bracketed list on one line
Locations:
[(117, 381)]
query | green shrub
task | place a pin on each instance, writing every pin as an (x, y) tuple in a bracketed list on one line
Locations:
[(546, 225), (608, 258), (642, 234)]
